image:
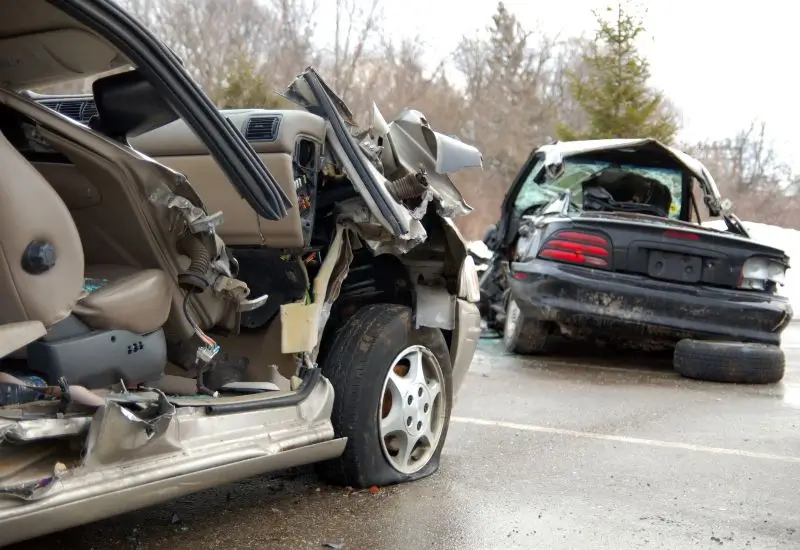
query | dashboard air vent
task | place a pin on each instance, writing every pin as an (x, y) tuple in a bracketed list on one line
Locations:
[(262, 128), (80, 110), (89, 110), (71, 109)]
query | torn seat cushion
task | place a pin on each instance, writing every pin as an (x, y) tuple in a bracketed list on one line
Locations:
[(124, 298)]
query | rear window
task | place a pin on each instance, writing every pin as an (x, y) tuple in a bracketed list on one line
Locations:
[(534, 191)]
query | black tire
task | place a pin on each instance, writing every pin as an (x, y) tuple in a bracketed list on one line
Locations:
[(525, 336), (732, 362), (357, 364)]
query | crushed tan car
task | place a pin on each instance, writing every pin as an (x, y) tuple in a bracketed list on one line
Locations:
[(191, 297)]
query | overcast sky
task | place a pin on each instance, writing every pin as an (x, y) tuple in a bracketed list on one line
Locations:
[(723, 63)]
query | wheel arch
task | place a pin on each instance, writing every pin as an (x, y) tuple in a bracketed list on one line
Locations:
[(426, 279)]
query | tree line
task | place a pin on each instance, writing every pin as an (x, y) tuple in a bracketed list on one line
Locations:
[(506, 90)]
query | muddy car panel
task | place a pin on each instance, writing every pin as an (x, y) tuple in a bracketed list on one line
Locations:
[(632, 308)]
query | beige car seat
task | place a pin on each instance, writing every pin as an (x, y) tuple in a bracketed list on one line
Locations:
[(104, 322)]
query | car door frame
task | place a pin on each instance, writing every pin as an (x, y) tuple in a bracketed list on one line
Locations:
[(166, 73), (366, 177), (505, 228)]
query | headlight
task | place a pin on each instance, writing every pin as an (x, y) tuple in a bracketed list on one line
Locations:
[(758, 272), (469, 288)]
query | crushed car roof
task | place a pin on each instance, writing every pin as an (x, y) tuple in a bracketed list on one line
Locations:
[(570, 148)]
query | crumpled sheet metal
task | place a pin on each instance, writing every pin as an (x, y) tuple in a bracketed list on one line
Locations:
[(16, 458), (35, 489), (43, 428), (357, 216), (417, 144), (335, 278), (114, 434), (118, 434), (414, 145)]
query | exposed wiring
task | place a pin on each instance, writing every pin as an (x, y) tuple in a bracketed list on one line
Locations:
[(205, 355), (207, 340)]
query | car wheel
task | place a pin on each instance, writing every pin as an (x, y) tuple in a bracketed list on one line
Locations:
[(733, 362), (524, 336), (393, 396)]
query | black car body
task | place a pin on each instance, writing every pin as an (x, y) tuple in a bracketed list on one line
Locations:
[(602, 239)]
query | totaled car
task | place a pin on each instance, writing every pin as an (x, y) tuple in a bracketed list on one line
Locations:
[(602, 240), (192, 297)]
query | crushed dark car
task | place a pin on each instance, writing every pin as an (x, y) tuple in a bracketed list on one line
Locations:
[(602, 240)]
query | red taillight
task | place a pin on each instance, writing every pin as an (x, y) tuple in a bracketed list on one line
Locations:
[(577, 247), (682, 235), (583, 237)]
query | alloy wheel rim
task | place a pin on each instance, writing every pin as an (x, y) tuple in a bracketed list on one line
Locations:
[(411, 415)]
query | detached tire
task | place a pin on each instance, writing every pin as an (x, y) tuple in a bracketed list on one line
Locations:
[(393, 396), (733, 362), (522, 336)]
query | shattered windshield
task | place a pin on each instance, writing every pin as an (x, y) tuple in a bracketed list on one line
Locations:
[(537, 190)]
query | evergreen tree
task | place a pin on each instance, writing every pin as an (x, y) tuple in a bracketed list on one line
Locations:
[(247, 87), (613, 90)]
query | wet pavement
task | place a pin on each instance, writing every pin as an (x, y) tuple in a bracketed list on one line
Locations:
[(575, 453)]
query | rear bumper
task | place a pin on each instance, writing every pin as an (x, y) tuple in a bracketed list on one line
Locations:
[(591, 299)]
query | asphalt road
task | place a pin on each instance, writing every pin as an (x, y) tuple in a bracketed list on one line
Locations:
[(578, 453)]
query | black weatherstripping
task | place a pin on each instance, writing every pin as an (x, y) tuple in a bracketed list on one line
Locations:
[(350, 147), (311, 378), (167, 74)]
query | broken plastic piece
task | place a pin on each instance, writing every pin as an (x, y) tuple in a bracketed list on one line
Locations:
[(196, 218), (255, 303)]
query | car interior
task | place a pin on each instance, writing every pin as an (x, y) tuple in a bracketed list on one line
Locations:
[(87, 255), (88, 249), (108, 277)]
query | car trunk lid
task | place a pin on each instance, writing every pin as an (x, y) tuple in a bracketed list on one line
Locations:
[(674, 250)]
